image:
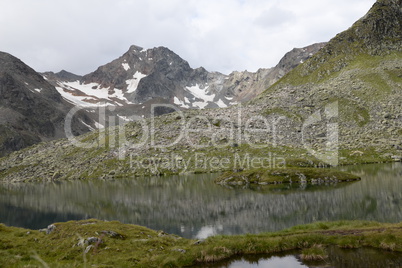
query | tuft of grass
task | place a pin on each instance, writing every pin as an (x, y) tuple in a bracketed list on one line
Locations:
[(314, 253)]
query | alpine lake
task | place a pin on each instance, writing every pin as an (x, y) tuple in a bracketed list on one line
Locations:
[(193, 206)]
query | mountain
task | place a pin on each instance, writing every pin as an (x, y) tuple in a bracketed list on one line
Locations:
[(31, 110), (360, 70), (63, 75), (140, 76), (341, 106), (247, 85)]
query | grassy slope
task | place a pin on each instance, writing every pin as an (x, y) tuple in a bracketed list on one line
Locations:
[(135, 246)]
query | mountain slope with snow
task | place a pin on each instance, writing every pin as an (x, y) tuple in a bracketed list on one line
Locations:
[(140, 75)]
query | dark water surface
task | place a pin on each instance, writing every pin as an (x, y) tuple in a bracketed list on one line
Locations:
[(193, 206)]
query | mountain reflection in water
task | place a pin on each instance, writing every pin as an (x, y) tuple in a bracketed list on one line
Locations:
[(193, 206)]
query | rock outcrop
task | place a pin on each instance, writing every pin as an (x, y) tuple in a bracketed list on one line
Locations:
[(31, 110)]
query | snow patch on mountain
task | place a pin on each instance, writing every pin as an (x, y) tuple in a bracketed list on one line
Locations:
[(200, 105), (126, 66), (91, 95), (180, 103), (85, 124), (201, 93), (132, 84), (82, 101), (221, 104)]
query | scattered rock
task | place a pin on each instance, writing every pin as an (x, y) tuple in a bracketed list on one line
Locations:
[(88, 248), (162, 233), (49, 229), (94, 240), (113, 234), (180, 250)]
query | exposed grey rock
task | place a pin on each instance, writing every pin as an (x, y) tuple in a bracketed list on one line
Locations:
[(49, 229), (31, 109), (113, 234), (88, 248), (180, 250), (93, 240)]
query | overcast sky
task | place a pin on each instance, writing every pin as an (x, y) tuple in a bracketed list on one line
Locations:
[(220, 35)]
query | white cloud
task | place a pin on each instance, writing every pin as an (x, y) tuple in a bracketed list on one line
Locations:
[(225, 35)]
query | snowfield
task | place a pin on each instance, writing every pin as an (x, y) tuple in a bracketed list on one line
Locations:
[(91, 95), (126, 66), (133, 83)]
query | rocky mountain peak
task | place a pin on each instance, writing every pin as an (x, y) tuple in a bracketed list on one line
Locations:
[(379, 32), (297, 56), (382, 25), (63, 75), (135, 48)]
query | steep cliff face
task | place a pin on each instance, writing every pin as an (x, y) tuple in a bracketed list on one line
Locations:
[(31, 110)]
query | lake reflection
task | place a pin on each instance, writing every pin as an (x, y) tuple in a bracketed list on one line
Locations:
[(193, 206), (337, 257)]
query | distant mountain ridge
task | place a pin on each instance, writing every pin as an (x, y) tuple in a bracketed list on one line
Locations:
[(140, 75)]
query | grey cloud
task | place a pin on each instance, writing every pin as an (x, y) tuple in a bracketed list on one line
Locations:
[(221, 35), (274, 17)]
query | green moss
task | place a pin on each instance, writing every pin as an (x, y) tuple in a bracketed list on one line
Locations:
[(283, 112), (395, 75), (285, 175), (13, 169), (379, 85), (315, 253), (349, 111), (366, 155)]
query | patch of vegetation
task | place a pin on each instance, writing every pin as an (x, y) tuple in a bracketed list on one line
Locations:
[(283, 112), (348, 109), (395, 75), (379, 85), (285, 175), (368, 155), (112, 244), (315, 253)]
